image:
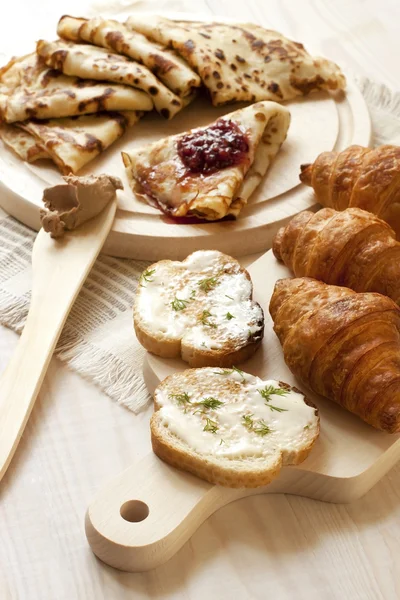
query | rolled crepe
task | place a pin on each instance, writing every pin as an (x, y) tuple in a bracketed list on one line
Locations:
[(29, 89), (91, 62), (242, 62), (73, 142), (22, 143), (172, 70)]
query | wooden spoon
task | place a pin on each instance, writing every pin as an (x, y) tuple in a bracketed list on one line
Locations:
[(59, 269)]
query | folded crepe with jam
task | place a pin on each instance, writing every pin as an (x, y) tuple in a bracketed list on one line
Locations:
[(210, 172)]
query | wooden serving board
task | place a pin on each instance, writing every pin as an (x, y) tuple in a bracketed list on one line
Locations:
[(147, 513), (319, 122)]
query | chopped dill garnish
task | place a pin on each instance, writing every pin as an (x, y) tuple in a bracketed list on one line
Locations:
[(230, 297), (230, 371), (222, 442), (269, 391), (229, 316), (241, 373), (209, 283), (146, 276), (178, 304), (276, 408), (247, 421), (210, 403), (192, 294), (211, 426), (261, 428), (205, 319), (181, 399)]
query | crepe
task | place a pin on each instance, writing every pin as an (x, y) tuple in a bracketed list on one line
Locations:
[(204, 188), (20, 70), (242, 62), (73, 142), (29, 89), (91, 62), (22, 143), (70, 142), (174, 72)]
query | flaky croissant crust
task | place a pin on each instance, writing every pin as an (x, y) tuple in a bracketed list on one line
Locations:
[(353, 248), (343, 345), (358, 177)]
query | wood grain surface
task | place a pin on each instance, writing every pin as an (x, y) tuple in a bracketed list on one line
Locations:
[(282, 547)]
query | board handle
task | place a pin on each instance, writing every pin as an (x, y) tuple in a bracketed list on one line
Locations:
[(143, 517)]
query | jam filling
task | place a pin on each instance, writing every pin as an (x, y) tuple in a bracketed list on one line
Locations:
[(217, 147)]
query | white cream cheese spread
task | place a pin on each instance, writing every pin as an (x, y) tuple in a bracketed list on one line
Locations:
[(204, 300), (232, 414)]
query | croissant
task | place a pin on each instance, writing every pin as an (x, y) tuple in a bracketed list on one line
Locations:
[(353, 248), (343, 345), (362, 177)]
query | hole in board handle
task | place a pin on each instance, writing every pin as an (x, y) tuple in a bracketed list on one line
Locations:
[(134, 511)]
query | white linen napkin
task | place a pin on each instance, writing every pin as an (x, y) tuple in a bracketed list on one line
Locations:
[(98, 340)]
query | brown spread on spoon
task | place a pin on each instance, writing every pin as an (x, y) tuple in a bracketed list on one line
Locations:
[(70, 204)]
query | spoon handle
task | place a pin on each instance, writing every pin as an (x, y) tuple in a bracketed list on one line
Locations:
[(59, 269)]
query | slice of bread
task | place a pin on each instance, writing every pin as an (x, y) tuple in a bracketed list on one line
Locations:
[(200, 309), (231, 428)]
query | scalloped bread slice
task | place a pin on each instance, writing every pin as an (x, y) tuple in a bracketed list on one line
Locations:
[(157, 172), (217, 425), (200, 309)]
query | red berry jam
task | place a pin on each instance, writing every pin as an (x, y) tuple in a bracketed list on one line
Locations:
[(208, 150)]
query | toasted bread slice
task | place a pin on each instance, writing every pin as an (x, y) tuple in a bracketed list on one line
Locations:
[(231, 428), (200, 309)]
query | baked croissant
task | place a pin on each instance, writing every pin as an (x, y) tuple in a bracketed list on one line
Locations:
[(362, 177), (353, 248), (343, 345)]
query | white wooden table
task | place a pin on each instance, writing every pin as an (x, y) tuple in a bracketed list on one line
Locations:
[(278, 547)]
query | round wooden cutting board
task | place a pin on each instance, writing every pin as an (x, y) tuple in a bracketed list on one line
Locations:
[(320, 122)]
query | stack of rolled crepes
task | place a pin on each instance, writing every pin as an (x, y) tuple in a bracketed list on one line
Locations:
[(75, 96), (70, 99)]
